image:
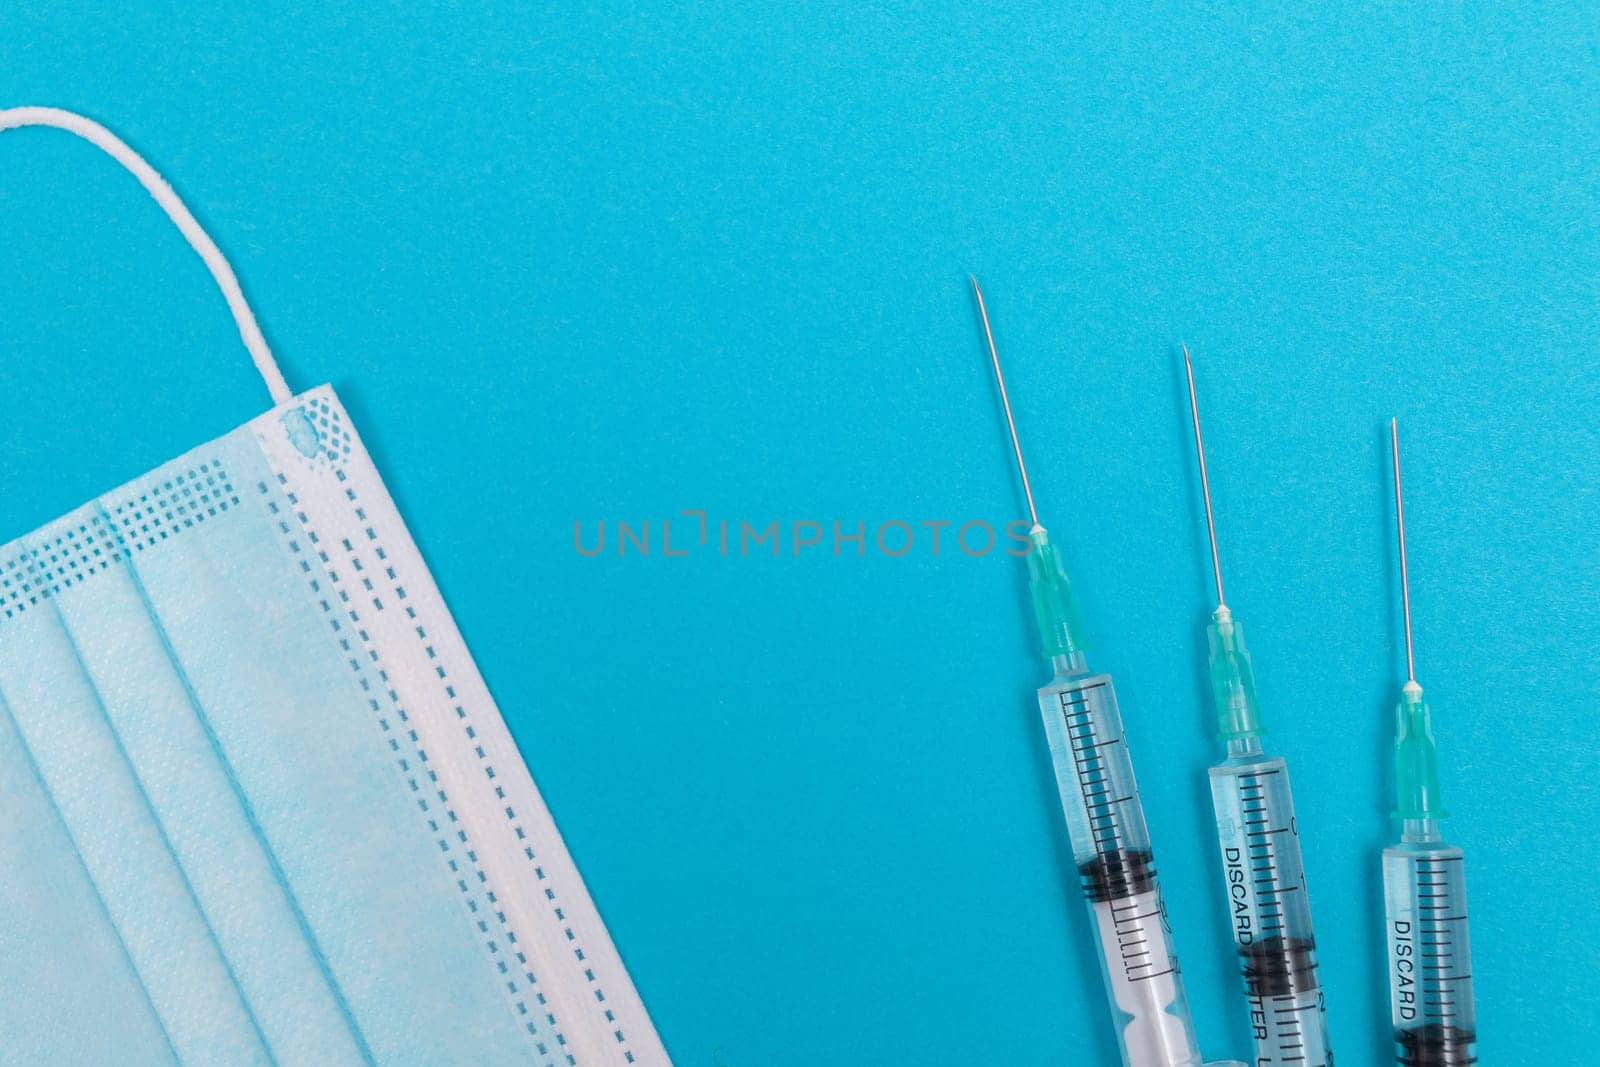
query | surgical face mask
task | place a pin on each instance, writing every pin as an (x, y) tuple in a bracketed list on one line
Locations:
[(256, 804)]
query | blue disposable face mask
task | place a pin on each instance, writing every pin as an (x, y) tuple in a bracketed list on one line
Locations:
[(256, 804)]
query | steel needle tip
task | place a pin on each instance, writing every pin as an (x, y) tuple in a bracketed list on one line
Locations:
[(1005, 399), (1400, 533), (1205, 482)]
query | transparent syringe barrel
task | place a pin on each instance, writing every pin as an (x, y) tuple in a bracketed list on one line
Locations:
[(1430, 961), (1112, 849), (1265, 884)]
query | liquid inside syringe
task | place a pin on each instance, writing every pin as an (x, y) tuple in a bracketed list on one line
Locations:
[(1270, 913), (1430, 957), (1111, 847)]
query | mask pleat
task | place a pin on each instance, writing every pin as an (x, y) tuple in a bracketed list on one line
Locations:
[(259, 806), (61, 718), (317, 746), (165, 735), (57, 940)]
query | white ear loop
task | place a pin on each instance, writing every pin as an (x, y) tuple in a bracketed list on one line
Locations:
[(199, 240)]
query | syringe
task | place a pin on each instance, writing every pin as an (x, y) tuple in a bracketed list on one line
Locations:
[(1424, 885), (1263, 877), (1105, 820)]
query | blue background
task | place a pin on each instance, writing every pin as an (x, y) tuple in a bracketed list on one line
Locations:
[(605, 263)]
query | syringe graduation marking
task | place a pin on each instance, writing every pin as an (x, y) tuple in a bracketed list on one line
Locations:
[(1130, 935), (1115, 872), (1090, 762), (1275, 964), (1438, 931), (1263, 861)]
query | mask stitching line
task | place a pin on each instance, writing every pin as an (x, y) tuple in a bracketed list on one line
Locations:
[(328, 410), (256, 830), (77, 853), (493, 898), (443, 799), (404, 765)]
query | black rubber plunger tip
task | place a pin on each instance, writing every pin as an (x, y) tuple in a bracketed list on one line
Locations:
[(1436, 1045), (1279, 966), (1117, 875)]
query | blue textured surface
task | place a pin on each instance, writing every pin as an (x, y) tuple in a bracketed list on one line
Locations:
[(594, 265)]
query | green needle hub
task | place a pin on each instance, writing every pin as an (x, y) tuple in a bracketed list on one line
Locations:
[(1233, 683), (1416, 759), (1055, 609)]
